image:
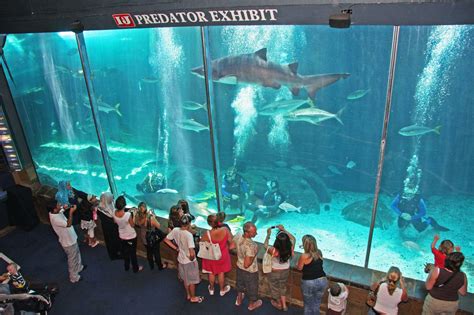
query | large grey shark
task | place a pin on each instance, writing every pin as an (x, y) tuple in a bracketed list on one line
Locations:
[(255, 69)]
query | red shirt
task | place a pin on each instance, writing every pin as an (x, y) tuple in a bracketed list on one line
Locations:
[(439, 257)]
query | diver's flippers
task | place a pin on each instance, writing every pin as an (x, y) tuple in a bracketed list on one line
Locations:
[(436, 226)]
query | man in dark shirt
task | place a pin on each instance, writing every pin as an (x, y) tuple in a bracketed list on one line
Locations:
[(272, 199)]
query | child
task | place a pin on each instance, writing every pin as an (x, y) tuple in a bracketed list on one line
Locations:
[(187, 263), (337, 298), (446, 247), (88, 209), (17, 283)]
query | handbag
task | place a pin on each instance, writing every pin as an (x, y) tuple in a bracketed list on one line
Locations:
[(267, 262), (209, 250), (152, 236)]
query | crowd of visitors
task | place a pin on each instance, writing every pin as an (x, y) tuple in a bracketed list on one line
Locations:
[(444, 283)]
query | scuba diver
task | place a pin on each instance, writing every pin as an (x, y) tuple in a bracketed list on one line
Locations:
[(234, 190), (152, 182), (272, 199), (411, 209)]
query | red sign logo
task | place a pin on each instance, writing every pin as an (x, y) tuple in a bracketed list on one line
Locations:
[(123, 20)]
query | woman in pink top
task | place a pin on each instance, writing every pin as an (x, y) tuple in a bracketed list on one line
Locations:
[(389, 295), (223, 237)]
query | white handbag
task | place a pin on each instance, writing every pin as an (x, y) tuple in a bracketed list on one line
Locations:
[(209, 250), (267, 262)]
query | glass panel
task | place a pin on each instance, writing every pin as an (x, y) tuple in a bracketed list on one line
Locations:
[(49, 94), (319, 145), (430, 154), (153, 115)]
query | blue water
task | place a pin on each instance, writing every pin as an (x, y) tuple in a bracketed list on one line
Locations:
[(142, 80)]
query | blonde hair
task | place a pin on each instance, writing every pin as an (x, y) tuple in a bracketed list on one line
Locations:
[(310, 247)]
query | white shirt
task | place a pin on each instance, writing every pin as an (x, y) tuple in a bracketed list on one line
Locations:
[(338, 303), (184, 240), (386, 303), (126, 231), (67, 235)]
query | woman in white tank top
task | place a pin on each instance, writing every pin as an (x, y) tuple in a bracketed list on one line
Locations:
[(127, 235)]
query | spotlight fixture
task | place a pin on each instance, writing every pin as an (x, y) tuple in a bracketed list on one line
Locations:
[(341, 20)]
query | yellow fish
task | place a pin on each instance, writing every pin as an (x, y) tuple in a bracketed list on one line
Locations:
[(237, 219)]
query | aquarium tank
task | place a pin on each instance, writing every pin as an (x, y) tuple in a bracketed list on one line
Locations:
[(274, 124)]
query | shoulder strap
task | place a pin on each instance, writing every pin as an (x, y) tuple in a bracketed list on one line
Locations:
[(209, 235), (447, 280)]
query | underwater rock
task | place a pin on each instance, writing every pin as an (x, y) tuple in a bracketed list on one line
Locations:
[(188, 181), (361, 212), (47, 180), (318, 185), (90, 154)]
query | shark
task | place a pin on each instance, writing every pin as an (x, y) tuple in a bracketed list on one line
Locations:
[(254, 68)]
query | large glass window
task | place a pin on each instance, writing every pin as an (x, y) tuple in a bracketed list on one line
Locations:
[(428, 171), (49, 93), (153, 113), (298, 116)]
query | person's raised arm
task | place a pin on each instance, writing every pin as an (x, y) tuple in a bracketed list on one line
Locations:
[(267, 238), (435, 240), (292, 238), (432, 277), (154, 222), (72, 209)]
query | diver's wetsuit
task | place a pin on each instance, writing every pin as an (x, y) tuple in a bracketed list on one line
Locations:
[(151, 184), (416, 208), (271, 200), (237, 186)]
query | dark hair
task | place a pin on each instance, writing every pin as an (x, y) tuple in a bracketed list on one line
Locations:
[(283, 246), (213, 221), (174, 216), (142, 204), (184, 205), (334, 288), (120, 203), (454, 261)]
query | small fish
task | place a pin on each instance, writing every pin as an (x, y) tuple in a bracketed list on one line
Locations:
[(351, 164), (288, 207), (282, 107), (416, 130), (314, 115), (190, 105), (192, 125), (167, 191), (334, 170), (237, 219), (297, 168), (150, 80), (35, 89), (357, 94)]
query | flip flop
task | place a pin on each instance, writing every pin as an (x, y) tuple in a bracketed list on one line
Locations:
[(237, 300), (257, 304), (223, 292), (199, 299), (276, 305)]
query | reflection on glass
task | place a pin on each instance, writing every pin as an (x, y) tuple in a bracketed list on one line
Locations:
[(426, 175), (49, 94)]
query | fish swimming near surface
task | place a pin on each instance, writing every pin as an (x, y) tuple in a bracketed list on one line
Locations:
[(314, 115), (104, 107), (357, 94), (167, 191), (288, 207), (190, 105), (254, 68), (417, 130), (282, 107), (192, 125)]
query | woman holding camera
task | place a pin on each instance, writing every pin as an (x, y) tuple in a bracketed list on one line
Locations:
[(281, 252), (389, 294)]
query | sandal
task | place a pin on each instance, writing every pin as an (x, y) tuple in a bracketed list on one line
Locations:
[(256, 305), (198, 299), (237, 303), (163, 266)]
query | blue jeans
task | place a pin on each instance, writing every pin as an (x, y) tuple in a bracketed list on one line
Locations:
[(313, 291)]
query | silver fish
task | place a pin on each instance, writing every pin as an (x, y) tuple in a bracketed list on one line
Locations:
[(282, 107), (254, 68), (314, 115), (190, 105), (192, 125), (357, 94), (416, 130), (288, 207)]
